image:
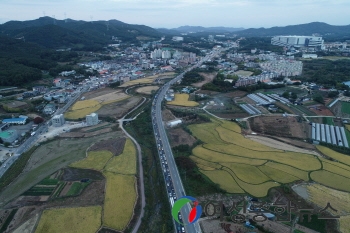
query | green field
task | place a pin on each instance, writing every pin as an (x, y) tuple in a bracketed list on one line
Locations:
[(345, 107), (237, 163), (76, 188)]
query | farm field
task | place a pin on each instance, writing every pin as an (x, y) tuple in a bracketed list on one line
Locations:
[(256, 168), (119, 202), (124, 163), (84, 107), (49, 158), (149, 79), (81, 219), (182, 100), (345, 107), (224, 179), (243, 73), (147, 90), (344, 224), (95, 160), (342, 158), (320, 195)]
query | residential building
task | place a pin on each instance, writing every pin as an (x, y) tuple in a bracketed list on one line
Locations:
[(49, 109), (166, 54), (92, 119), (9, 136), (58, 120)]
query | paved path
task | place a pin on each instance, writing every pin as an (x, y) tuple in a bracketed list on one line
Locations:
[(142, 187)]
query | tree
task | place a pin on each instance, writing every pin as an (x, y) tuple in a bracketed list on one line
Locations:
[(318, 98), (293, 96), (333, 94), (38, 120), (286, 95)]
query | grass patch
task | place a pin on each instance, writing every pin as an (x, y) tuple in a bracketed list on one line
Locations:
[(8, 220), (16, 169), (70, 220), (124, 163), (328, 121), (77, 188), (95, 160), (345, 107)]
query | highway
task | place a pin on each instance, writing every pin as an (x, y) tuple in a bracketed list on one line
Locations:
[(172, 178)]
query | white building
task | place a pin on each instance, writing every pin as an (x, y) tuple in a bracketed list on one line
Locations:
[(166, 54), (174, 123), (58, 120), (309, 55), (297, 41), (178, 38), (92, 119)]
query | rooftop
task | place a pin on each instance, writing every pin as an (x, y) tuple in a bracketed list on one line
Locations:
[(13, 120)]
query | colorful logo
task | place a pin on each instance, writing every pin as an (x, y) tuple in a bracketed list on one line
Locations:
[(195, 212)]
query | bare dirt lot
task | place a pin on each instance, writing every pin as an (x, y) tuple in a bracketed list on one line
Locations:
[(208, 77), (236, 94), (75, 174), (167, 115), (111, 97), (118, 109), (279, 126), (115, 146), (279, 145), (147, 90), (178, 137), (98, 92), (86, 134), (320, 109)]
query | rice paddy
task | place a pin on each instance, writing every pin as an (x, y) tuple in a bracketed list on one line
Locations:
[(255, 168), (182, 100)]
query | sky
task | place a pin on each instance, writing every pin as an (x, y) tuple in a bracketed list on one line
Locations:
[(175, 13)]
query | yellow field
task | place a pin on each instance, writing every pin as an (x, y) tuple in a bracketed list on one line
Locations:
[(331, 180), (302, 161), (206, 133), (347, 127), (243, 73), (332, 167), (335, 155), (85, 104), (124, 163), (182, 100), (303, 175), (147, 90), (119, 202), (254, 176), (320, 195), (205, 163), (257, 190), (237, 139), (81, 219), (278, 175), (82, 108), (146, 80), (95, 160), (224, 179), (344, 224), (254, 167)]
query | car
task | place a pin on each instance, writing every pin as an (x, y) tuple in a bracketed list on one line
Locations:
[(183, 229)]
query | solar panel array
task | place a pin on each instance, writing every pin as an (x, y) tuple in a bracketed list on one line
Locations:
[(330, 134)]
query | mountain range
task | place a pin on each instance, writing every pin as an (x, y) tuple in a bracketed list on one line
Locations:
[(53, 33), (194, 29)]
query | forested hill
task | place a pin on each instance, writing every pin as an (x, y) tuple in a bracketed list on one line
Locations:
[(323, 29), (53, 33), (22, 62)]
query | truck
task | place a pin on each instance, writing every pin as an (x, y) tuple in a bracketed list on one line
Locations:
[(172, 201), (32, 134)]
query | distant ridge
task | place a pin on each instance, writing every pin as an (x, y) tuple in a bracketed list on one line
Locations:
[(302, 29), (52, 33)]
